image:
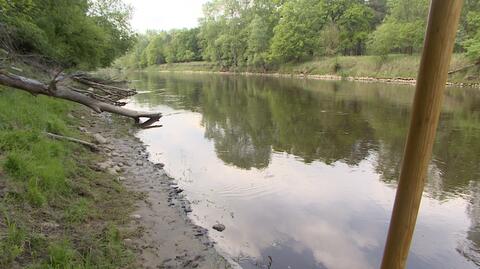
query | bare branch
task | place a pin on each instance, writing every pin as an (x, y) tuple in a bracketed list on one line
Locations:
[(89, 145), (463, 68)]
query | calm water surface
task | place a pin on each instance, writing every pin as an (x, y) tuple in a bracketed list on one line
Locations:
[(304, 172)]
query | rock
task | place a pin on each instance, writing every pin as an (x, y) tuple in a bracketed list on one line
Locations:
[(112, 171), (136, 216), (50, 225), (128, 242), (82, 129), (99, 139), (159, 165), (117, 169), (104, 166), (139, 163), (120, 179), (219, 227)]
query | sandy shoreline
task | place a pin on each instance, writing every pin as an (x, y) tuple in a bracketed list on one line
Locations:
[(167, 238)]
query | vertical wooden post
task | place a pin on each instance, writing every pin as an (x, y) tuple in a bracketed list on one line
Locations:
[(432, 77)]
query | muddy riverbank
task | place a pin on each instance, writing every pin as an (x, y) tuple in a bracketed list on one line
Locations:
[(166, 237)]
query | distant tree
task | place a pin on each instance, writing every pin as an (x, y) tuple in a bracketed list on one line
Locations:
[(156, 49), (260, 32), (296, 35), (379, 8), (183, 46), (403, 28), (472, 43), (469, 33), (223, 31), (355, 23), (329, 42)]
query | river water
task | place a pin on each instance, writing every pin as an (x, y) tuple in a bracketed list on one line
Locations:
[(303, 173)]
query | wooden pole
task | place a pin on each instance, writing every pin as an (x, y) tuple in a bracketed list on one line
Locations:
[(432, 77)]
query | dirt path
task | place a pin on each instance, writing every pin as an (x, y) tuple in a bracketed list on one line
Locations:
[(168, 237)]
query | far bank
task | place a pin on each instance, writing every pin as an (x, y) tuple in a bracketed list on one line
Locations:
[(391, 69)]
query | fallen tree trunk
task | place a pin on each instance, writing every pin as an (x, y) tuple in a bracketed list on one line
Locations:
[(58, 90), (102, 88)]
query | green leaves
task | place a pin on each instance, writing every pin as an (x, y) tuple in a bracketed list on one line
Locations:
[(265, 33), (75, 33), (296, 33)]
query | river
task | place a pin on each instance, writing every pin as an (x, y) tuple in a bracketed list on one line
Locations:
[(303, 173)]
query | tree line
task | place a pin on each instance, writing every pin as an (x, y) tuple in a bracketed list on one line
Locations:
[(264, 33), (71, 33)]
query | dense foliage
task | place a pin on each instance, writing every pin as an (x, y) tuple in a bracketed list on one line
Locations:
[(262, 33), (83, 33)]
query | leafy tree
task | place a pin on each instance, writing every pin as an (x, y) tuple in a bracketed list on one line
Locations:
[(19, 30), (295, 36), (72, 32), (260, 32), (223, 31), (469, 34), (183, 46), (330, 39), (155, 51), (114, 18), (258, 42), (403, 29), (355, 26), (379, 8)]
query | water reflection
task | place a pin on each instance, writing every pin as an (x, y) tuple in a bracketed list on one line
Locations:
[(308, 168)]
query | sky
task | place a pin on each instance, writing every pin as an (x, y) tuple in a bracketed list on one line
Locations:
[(165, 14)]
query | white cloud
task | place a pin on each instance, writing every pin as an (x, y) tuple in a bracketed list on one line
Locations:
[(165, 14)]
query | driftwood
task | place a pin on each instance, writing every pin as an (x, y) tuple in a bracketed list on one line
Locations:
[(59, 87), (102, 89), (89, 145), (463, 68)]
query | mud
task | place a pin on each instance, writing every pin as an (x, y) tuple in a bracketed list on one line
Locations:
[(167, 238)]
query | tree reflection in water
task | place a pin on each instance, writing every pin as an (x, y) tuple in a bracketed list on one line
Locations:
[(250, 118)]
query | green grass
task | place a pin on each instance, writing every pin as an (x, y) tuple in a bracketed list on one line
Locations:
[(12, 244), (391, 66), (191, 66), (49, 182)]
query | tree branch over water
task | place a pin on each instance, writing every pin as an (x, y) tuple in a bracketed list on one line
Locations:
[(62, 87)]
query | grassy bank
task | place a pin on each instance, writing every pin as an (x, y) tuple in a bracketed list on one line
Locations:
[(56, 211), (392, 66)]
